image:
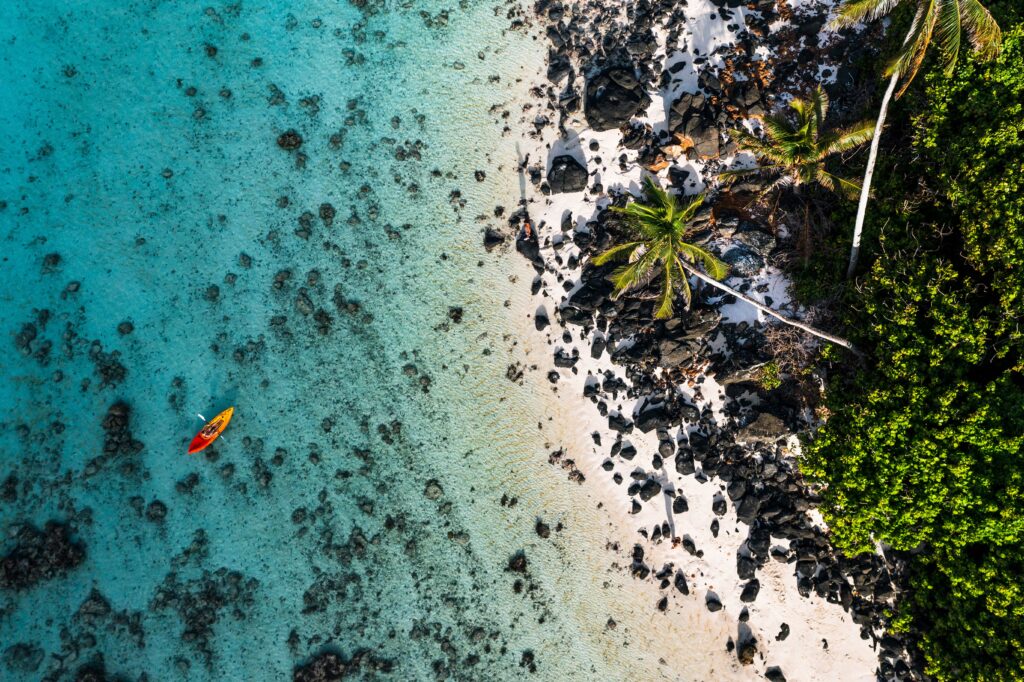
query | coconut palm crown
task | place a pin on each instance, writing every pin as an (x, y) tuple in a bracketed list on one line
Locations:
[(944, 21), (660, 229), (794, 152)]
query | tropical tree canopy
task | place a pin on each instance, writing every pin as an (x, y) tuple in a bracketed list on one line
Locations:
[(794, 152), (660, 229), (945, 21)]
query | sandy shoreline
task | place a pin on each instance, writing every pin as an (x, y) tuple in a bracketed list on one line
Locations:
[(823, 642)]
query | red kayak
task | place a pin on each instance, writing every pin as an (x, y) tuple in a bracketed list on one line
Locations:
[(209, 433)]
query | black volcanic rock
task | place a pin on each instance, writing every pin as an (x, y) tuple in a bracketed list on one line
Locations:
[(613, 97), (746, 645), (567, 175), (750, 591), (649, 489)]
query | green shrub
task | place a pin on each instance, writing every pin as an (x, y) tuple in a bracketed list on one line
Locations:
[(770, 378), (925, 446)]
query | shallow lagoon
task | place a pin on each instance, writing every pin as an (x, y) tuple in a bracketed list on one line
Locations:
[(337, 293)]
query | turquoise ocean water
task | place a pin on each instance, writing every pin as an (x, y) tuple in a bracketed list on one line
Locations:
[(337, 294)]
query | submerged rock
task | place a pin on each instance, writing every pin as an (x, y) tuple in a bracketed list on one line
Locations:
[(289, 139), (517, 562), (332, 667), (39, 555), (23, 657)]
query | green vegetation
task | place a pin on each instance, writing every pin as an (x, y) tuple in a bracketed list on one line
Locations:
[(944, 21), (771, 376), (794, 152), (924, 449), (661, 228)]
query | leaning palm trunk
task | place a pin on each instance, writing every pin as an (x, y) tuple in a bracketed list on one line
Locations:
[(869, 173), (768, 311), (865, 190)]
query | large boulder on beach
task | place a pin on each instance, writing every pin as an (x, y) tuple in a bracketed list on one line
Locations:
[(704, 135), (658, 411), (649, 489), (746, 645), (767, 428), (743, 261), (567, 175), (591, 294), (613, 97)]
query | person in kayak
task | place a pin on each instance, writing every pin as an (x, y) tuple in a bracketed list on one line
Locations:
[(210, 429)]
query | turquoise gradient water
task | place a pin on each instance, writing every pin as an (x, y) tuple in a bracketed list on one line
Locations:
[(141, 148)]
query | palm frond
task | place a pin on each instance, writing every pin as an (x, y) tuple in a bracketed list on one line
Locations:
[(684, 281), (819, 104), (949, 32), (778, 128), (849, 188), (620, 251), (633, 275), (734, 173), (646, 221), (825, 180), (854, 11), (909, 60), (847, 138), (658, 196), (689, 210), (667, 294), (982, 29), (751, 143), (714, 267)]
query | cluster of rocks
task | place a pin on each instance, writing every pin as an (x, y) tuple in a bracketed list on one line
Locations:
[(606, 62), (119, 445), (746, 452), (202, 599), (331, 667), (39, 555), (29, 342), (94, 621), (602, 57), (109, 367)]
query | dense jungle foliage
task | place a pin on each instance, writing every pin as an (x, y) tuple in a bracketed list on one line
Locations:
[(924, 447)]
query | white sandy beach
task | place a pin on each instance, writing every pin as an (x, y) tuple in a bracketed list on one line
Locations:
[(823, 641)]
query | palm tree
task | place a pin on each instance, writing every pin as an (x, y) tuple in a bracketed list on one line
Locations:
[(946, 21), (794, 152), (661, 228)]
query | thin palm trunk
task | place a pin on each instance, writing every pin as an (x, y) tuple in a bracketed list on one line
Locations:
[(768, 311), (865, 190)]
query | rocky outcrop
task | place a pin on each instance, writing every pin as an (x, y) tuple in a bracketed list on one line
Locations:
[(613, 97), (39, 555)]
